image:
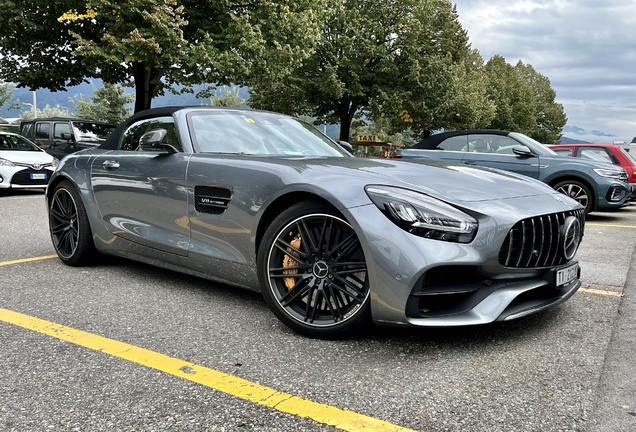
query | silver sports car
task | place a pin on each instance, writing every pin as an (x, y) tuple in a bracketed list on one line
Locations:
[(266, 202)]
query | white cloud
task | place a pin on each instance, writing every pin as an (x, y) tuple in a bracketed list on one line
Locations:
[(587, 49)]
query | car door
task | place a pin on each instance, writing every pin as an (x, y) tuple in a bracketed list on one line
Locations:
[(141, 193), (42, 137), (495, 151)]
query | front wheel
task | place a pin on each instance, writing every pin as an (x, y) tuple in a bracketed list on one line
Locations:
[(313, 272), (577, 191), (68, 223)]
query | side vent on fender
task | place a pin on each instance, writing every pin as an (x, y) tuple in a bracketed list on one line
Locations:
[(212, 200)]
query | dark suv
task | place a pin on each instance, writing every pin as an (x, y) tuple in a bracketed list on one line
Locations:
[(60, 136)]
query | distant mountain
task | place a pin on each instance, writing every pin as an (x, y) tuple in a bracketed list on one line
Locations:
[(63, 98)]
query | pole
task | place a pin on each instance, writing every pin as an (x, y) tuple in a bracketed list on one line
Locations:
[(35, 110)]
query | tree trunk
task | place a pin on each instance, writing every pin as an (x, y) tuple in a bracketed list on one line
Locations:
[(147, 81), (345, 120)]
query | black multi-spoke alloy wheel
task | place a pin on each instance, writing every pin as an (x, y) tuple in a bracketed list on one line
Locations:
[(313, 272), (577, 191), (69, 227)]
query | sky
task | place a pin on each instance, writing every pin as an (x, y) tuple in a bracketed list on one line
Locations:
[(587, 48)]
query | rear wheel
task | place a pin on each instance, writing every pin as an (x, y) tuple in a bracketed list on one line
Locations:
[(68, 223), (577, 191), (313, 272)]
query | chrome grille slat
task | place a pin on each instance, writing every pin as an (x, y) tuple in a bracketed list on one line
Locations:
[(541, 234)]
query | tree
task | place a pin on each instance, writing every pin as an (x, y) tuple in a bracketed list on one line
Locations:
[(374, 57), (153, 44), (48, 111), (108, 104), (227, 97), (549, 115), (6, 93), (524, 100)]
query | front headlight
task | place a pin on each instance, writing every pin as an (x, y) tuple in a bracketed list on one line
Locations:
[(55, 162), (423, 215), (611, 173), (6, 163)]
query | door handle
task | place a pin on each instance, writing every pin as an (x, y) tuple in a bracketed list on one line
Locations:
[(470, 163), (110, 164)]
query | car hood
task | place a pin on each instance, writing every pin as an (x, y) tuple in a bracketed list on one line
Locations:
[(458, 182), (28, 157)]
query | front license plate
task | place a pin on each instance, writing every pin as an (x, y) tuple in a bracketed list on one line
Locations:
[(567, 275), (38, 176)]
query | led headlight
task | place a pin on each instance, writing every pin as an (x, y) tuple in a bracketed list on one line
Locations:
[(423, 215), (611, 173), (6, 163), (55, 162)]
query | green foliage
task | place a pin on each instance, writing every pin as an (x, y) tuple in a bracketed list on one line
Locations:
[(227, 97), (6, 93), (524, 100), (48, 111), (153, 44), (549, 115), (379, 57), (108, 104)]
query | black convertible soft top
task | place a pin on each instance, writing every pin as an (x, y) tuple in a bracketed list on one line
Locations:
[(433, 141)]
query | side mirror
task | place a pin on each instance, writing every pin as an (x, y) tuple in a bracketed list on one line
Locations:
[(522, 150), (345, 145), (66, 136), (154, 140)]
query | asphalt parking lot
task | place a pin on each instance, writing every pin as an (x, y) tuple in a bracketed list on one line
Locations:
[(570, 368)]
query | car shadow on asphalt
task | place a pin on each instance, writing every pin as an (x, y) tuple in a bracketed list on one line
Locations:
[(465, 337)]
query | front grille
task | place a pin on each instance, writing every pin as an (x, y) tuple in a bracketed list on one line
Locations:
[(624, 177), (537, 241), (23, 178)]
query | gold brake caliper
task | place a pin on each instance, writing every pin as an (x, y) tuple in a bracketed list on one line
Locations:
[(289, 262)]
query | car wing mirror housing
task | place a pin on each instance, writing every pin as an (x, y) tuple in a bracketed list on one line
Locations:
[(155, 140), (66, 136), (522, 150), (345, 145)]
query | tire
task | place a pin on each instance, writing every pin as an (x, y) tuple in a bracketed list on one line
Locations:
[(577, 191), (69, 227), (313, 273)]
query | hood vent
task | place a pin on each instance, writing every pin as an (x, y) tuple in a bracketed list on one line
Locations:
[(212, 200)]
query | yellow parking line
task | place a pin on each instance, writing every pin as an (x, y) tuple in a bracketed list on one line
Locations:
[(232, 385), (5, 263), (609, 225), (602, 292)]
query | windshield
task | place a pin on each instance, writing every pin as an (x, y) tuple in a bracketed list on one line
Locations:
[(257, 133), (86, 131), (533, 145), (15, 142)]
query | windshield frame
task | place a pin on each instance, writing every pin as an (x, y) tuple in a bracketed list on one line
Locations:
[(257, 133)]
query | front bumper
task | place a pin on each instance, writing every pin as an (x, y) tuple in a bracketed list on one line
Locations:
[(422, 282), (24, 178), (614, 195)]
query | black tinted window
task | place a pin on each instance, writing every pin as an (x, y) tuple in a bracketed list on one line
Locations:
[(59, 129), (130, 138), (42, 131)]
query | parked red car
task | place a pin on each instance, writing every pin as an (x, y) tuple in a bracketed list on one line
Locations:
[(611, 153)]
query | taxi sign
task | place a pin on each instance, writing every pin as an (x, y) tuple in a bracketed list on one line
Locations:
[(368, 138)]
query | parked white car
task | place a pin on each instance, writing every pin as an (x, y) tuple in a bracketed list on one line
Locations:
[(23, 165)]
